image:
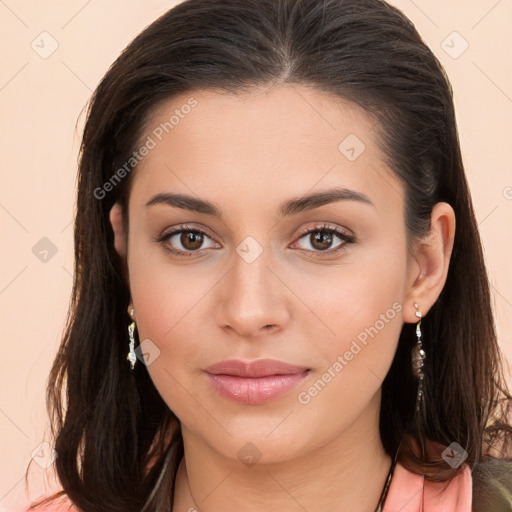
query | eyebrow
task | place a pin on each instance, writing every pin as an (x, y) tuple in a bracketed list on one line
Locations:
[(290, 207)]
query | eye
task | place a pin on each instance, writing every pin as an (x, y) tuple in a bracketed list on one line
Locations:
[(188, 239), (321, 239)]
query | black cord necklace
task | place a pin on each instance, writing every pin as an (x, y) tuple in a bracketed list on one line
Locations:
[(384, 493)]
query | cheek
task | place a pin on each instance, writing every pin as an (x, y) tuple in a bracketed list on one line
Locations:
[(164, 293), (360, 299), (168, 310), (364, 314), (170, 304), (356, 328)]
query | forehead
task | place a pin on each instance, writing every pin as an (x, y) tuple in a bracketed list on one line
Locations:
[(266, 143)]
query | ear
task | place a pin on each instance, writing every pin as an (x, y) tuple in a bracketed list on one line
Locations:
[(428, 268), (120, 238)]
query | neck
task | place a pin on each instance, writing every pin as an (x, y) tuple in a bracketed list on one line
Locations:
[(346, 474)]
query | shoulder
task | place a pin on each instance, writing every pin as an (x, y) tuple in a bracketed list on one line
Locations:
[(407, 491), (492, 485)]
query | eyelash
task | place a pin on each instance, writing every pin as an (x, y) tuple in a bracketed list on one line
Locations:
[(345, 237)]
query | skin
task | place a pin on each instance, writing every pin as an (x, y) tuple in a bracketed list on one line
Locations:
[(248, 153)]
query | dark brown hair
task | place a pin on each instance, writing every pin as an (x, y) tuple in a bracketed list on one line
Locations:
[(111, 419)]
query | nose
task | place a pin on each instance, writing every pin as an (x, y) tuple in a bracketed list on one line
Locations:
[(253, 301)]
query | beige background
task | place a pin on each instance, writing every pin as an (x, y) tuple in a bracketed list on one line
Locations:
[(41, 97)]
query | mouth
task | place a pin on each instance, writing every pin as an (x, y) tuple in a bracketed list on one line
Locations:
[(255, 382)]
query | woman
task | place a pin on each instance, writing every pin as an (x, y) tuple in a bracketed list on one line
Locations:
[(273, 190)]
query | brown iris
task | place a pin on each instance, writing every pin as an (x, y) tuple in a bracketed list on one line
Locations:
[(321, 239), (191, 240)]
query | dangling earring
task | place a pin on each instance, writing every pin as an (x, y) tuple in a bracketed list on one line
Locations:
[(418, 356), (131, 354)]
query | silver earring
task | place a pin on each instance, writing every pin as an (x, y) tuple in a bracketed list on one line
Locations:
[(418, 357), (131, 354)]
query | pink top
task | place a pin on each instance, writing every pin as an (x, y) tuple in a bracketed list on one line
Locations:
[(405, 493)]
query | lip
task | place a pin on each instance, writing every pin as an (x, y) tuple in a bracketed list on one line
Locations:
[(255, 382)]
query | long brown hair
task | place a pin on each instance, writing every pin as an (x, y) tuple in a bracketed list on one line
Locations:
[(118, 443)]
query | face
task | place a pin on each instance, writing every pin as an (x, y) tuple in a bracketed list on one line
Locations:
[(262, 272)]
